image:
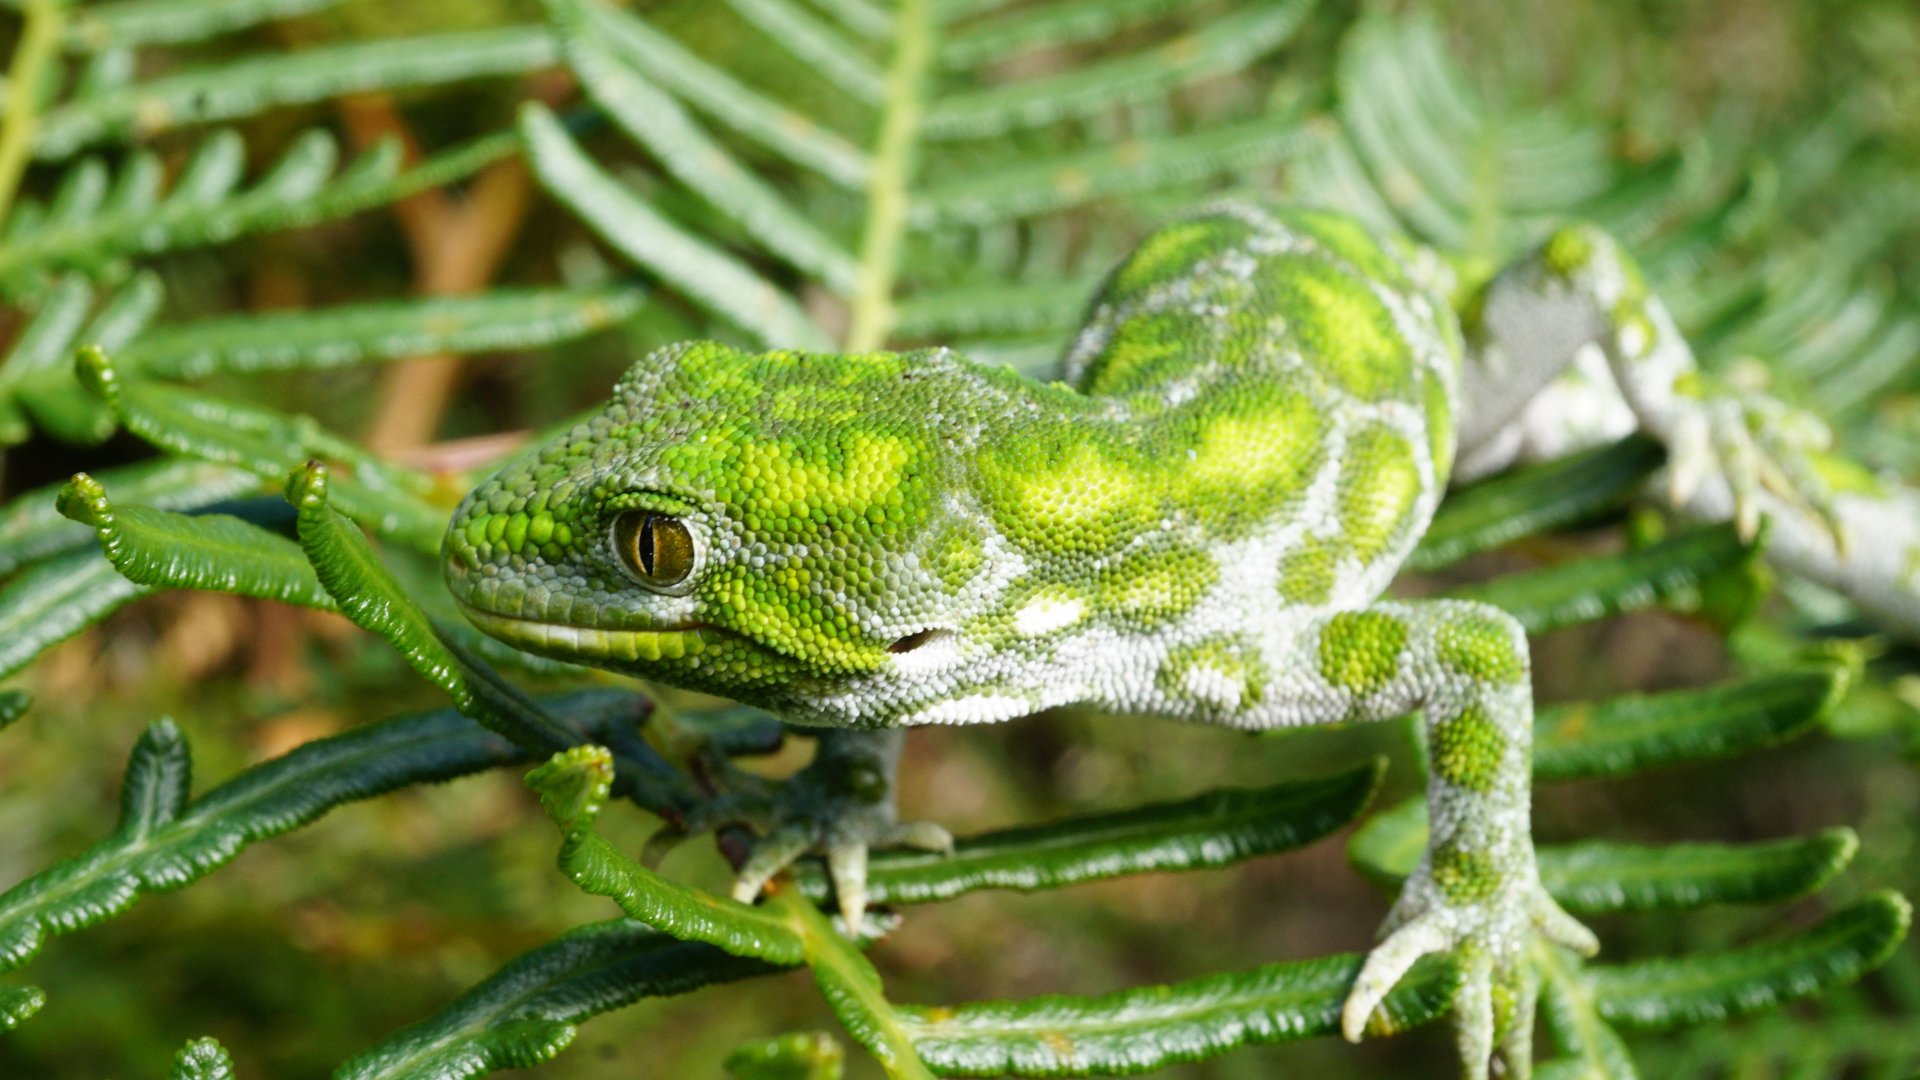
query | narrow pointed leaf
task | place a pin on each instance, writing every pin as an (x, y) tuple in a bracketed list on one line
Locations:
[(525, 1013), (707, 276), (155, 850), (253, 85), (714, 93), (202, 1059), (1711, 987), (1152, 1027), (56, 599), (13, 706), (800, 1055), (973, 310), (367, 593), (1065, 22), (657, 121), (1224, 45), (1583, 590), (572, 787), (215, 552), (1215, 829), (1597, 877), (1572, 1020), (1043, 185), (852, 987), (97, 27), (389, 499), (1633, 732), (31, 528), (202, 209), (1535, 499), (18, 1004), (827, 54), (356, 334)]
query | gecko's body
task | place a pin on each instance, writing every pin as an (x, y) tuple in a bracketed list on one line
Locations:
[(1253, 430)]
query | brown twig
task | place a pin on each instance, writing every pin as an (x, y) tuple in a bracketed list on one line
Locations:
[(457, 247)]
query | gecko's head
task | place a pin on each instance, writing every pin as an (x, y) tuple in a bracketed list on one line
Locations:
[(754, 525)]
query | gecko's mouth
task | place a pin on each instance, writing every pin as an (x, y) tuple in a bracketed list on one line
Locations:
[(591, 642)]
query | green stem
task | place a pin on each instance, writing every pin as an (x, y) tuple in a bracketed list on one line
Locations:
[(893, 163), (39, 39)]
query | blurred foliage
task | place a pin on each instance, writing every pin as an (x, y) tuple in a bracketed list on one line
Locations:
[(230, 232)]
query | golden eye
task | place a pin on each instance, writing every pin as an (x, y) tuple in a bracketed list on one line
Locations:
[(656, 548)]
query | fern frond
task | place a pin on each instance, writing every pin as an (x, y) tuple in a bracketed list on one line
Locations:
[(253, 85), (111, 27)]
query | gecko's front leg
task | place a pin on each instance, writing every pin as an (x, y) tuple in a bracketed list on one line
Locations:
[(1476, 893), (840, 805)]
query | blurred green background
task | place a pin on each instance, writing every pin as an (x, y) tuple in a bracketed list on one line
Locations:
[(313, 946)]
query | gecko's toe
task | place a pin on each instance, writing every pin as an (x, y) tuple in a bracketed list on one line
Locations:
[(774, 853)]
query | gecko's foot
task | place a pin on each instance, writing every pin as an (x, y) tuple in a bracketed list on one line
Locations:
[(839, 806), (1488, 936), (1767, 452)]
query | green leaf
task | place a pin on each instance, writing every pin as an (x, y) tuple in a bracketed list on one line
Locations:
[(248, 86), (164, 843), (355, 334), (656, 121), (367, 594), (787, 132), (708, 277), (18, 1004), (1584, 590), (204, 206), (817, 45), (572, 787), (56, 599), (524, 1014), (1023, 188), (799, 1055), (389, 499), (1222, 46), (1215, 829), (13, 705), (1065, 22), (1572, 1020), (1629, 733), (98, 27), (202, 1059), (1019, 307), (1151, 1027), (1598, 877), (31, 528), (162, 549), (1711, 987), (852, 988), (1535, 499)]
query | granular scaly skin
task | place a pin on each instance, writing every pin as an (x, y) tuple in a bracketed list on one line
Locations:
[(1198, 522)]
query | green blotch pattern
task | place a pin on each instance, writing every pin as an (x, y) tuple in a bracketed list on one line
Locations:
[(1308, 572), (1468, 750), (1568, 251), (1231, 657), (1336, 318), (1154, 587), (1465, 876), (1379, 487), (1482, 647), (1360, 650)]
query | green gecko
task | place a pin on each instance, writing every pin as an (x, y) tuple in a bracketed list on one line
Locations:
[(1198, 521)]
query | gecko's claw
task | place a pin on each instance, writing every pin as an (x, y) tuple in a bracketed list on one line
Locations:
[(840, 806), (1764, 451), (1493, 1008)]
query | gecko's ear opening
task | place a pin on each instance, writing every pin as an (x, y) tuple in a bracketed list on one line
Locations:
[(919, 638)]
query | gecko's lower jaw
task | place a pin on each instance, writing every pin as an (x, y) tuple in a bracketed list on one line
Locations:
[(590, 644)]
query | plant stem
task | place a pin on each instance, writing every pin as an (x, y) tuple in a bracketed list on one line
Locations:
[(39, 39), (893, 167)]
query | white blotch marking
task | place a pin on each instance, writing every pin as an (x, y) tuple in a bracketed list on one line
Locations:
[(1213, 686), (979, 709), (1045, 614)]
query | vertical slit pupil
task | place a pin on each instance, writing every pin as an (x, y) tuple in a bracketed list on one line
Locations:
[(646, 545)]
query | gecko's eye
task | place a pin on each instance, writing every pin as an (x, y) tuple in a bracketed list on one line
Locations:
[(657, 549)]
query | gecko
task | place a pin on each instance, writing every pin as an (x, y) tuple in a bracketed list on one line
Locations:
[(1199, 519)]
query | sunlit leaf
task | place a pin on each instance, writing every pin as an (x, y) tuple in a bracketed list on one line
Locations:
[(202, 1059), (53, 600)]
